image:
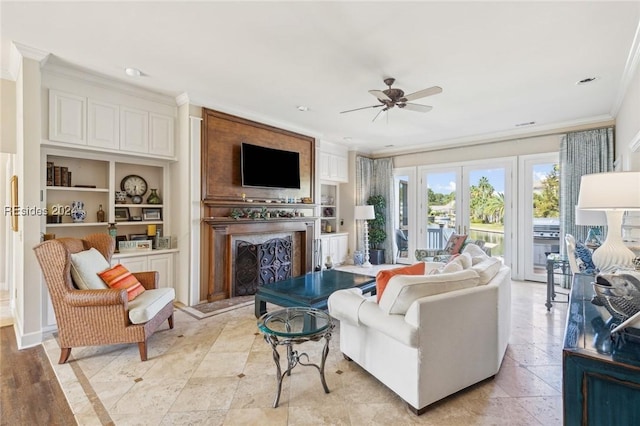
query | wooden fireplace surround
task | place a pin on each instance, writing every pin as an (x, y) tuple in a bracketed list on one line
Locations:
[(222, 191)]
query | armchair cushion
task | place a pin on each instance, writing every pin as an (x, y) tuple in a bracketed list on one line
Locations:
[(85, 267), (383, 277), (403, 290), (144, 307), (119, 277)]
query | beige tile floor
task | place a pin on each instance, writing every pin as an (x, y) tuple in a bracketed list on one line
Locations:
[(219, 371)]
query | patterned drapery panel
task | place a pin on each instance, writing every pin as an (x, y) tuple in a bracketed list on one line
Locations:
[(375, 177), (581, 153)]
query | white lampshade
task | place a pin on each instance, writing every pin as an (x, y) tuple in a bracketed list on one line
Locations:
[(590, 217), (614, 193), (610, 191), (364, 213)]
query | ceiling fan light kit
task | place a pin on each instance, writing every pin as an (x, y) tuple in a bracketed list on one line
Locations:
[(393, 97)]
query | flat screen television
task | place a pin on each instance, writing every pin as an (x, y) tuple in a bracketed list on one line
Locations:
[(269, 167)]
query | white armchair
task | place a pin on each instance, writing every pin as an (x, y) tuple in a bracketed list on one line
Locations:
[(431, 335)]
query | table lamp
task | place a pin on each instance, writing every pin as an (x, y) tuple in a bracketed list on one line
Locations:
[(365, 213), (594, 219), (613, 193)]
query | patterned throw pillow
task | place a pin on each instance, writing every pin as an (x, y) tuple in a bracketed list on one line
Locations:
[(583, 259), (119, 277)]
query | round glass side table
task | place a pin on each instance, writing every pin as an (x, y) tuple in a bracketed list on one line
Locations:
[(291, 326)]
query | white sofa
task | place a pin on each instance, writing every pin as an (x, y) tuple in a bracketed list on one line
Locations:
[(430, 335)]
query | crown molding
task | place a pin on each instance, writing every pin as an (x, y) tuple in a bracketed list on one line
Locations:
[(630, 68), (520, 133), (29, 52)]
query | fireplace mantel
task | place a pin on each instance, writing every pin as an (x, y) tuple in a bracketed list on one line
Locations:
[(222, 230)]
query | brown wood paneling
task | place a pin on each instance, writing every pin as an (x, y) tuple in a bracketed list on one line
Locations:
[(222, 137)]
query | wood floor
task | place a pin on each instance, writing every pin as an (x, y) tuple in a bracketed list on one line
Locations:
[(29, 392)]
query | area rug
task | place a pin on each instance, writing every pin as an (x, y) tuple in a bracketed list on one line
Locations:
[(209, 309)]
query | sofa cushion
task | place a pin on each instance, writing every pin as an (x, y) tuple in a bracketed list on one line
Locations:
[(119, 277), (85, 267), (487, 269), (477, 254), (453, 266), (402, 290), (382, 277), (149, 303)]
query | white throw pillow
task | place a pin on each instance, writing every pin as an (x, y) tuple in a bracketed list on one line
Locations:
[(403, 290), (85, 266), (487, 269), (454, 266), (465, 260), (477, 254)]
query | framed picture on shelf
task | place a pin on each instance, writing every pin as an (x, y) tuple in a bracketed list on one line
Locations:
[(151, 213), (163, 243), (138, 237), (122, 214), (120, 238)]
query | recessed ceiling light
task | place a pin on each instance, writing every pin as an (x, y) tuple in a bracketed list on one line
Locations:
[(303, 108), (586, 80), (133, 72), (527, 123)]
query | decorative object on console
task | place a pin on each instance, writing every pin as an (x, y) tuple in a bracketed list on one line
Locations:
[(78, 213), (612, 192), (365, 213), (154, 198), (595, 220)]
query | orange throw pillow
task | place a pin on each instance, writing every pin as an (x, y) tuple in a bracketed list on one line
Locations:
[(383, 277), (119, 277)]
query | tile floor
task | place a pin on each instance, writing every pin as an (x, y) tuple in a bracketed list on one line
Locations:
[(219, 371)]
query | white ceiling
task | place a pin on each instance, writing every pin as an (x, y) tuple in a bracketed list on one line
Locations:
[(499, 63)]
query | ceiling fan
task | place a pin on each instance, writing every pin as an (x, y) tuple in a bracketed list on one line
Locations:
[(391, 97)]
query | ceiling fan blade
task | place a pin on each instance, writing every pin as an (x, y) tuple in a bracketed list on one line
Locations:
[(380, 114), (422, 93), (380, 95), (416, 107), (357, 109)]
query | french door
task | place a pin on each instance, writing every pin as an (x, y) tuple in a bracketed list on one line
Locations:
[(405, 214), (538, 214), (473, 198)]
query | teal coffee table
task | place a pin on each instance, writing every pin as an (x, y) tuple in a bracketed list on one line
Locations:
[(311, 290)]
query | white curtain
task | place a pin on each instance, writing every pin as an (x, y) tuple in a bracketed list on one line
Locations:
[(581, 153), (375, 177)]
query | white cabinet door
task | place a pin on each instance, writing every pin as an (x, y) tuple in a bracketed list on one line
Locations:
[(161, 134), (163, 263), (67, 118), (135, 264), (342, 246), (324, 165), (343, 169), (134, 130), (104, 125)]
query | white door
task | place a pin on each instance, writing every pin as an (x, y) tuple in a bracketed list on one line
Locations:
[(539, 189), (474, 199), (404, 215)]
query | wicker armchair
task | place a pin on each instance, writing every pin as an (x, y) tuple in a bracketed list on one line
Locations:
[(93, 317)]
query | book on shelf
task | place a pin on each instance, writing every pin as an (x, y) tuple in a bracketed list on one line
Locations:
[(49, 173), (64, 176), (56, 176)]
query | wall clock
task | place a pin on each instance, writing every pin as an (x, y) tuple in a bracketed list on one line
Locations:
[(135, 186)]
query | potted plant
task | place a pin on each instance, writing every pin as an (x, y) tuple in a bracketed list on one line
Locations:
[(377, 233)]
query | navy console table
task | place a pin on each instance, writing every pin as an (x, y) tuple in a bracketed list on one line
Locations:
[(601, 374)]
